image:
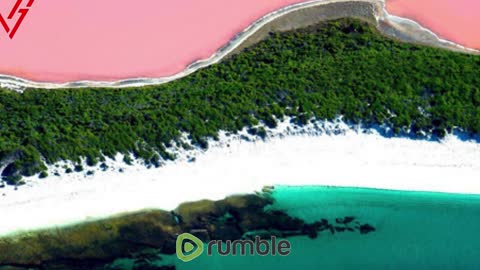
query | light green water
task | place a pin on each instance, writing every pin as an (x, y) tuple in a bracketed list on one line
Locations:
[(414, 230)]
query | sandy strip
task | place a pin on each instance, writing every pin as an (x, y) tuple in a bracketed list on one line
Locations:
[(231, 166), (402, 28)]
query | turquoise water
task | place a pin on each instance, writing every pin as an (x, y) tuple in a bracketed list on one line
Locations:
[(414, 230)]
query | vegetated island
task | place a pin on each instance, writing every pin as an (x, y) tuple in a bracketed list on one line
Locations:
[(338, 68)]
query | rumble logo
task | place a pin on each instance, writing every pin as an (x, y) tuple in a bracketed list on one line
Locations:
[(15, 17)]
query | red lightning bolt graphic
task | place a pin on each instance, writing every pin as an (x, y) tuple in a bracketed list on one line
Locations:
[(16, 9)]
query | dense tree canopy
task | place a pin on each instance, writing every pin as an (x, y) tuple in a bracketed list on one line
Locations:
[(337, 68)]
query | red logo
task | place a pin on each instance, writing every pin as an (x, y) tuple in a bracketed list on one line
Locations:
[(12, 22)]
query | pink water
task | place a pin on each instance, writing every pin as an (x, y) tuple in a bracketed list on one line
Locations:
[(68, 40), (455, 20), (65, 40)]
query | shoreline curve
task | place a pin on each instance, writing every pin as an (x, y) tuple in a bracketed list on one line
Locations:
[(392, 26)]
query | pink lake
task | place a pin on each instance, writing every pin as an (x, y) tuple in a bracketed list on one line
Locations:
[(69, 40), (454, 20)]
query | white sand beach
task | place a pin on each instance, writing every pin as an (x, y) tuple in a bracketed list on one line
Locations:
[(333, 154)]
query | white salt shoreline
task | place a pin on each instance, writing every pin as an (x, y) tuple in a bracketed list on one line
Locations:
[(399, 23), (231, 166)]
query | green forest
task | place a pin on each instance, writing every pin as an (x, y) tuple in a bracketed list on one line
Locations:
[(344, 67)]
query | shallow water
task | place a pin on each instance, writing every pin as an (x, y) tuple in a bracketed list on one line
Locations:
[(414, 230)]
